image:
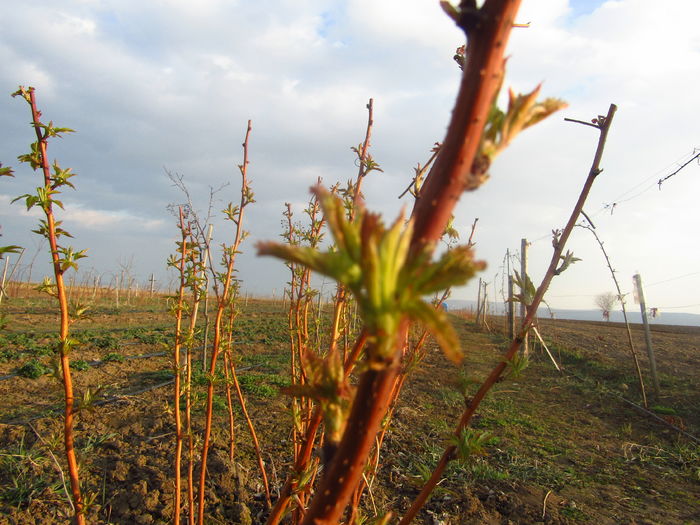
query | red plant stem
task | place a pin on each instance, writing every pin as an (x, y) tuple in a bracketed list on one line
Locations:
[(176, 366), (361, 172), (447, 180), (190, 442), (345, 470), (65, 321), (304, 454), (341, 294), (452, 172), (355, 352), (216, 343), (303, 458), (197, 296), (416, 355), (495, 374), (209, 411), (228, 357), (420, 171), (253, 434)]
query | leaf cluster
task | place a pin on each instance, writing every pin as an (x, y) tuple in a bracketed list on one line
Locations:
[(566, 260), (523, 111), (470, 442), (55, 178), (327, 385), (373, 262), (367, 163), (527, 289)]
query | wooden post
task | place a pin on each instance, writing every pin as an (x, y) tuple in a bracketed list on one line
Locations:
[(523, 307), (647, 333), (483, 303), (511, 309), (478, 303), (4, 275), (153, 283), (117, 284)]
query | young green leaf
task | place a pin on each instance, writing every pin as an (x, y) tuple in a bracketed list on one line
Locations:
[(470, 442), (373, 263)]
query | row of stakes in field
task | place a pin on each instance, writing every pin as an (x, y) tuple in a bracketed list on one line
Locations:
[(482, 308)]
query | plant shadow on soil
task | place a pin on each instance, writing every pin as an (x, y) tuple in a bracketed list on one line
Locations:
[(561, 448)]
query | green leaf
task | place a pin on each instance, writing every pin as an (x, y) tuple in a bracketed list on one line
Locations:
[(523, 111), (23, 92), (48, 287), (70, 257), (33, 158), (470, 442), (66, 346), (52, 131), (6, 172), (527, 289), (373, 263), (60, 176), (567, 260), (9, 249), (454, 268), (29, 200), (518, 364), (438, 324)]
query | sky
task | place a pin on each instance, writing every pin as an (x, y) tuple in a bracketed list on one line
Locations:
[(169, 85)]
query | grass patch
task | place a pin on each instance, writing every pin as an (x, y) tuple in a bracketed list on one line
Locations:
[(262, 385), (22, 466), (79, 364), (113, 357), (33, 369)]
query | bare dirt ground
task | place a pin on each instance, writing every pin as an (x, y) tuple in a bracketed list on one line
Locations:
[(563, 447)]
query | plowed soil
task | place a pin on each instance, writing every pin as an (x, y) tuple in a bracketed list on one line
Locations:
[(566, 447)]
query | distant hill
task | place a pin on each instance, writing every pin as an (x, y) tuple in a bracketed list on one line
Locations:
[(633, 314)]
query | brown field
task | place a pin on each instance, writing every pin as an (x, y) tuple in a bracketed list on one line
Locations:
[(564, 448)]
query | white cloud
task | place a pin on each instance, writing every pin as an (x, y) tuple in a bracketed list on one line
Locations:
[(172, 83), (103, 220), (76, 215)]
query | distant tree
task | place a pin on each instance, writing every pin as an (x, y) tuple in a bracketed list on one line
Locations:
[(605, 302)]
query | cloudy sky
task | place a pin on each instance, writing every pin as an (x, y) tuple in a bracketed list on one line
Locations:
[(170, 84)]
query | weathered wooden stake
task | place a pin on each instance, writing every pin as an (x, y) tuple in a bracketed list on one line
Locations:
[(478, 304), (525, 349), (647, 333), (4, 275), (484, 305), (511, 310)]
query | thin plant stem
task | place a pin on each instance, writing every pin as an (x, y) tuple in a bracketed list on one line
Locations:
[(450, 452), (591, 229), (223, 296), (253, 434), (178, 371), (198, 265), (69, 411), (228, 359)]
